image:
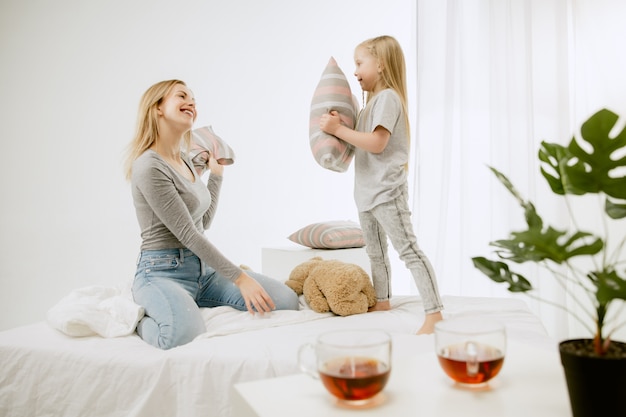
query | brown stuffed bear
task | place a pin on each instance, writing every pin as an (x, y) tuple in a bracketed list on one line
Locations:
[(332, 285)]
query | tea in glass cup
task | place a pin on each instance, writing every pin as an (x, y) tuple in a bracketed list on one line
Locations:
[(470, 350), (353, 365)]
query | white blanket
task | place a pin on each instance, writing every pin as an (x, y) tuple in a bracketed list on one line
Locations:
[(95, 310), (111, 312)]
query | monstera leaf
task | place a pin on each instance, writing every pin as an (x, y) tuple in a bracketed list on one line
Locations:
[(539, 243), (500, 273), (615, 210), (575, 170), (555, 157), (610, 286)]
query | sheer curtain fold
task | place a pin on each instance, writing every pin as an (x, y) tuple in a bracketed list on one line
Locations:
[(494, 79)]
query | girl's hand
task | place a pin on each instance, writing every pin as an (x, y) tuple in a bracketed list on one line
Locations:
[(254, 295), (330, 122), (214, 167)]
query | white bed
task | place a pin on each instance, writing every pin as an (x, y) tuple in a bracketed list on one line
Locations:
[(44, 372)]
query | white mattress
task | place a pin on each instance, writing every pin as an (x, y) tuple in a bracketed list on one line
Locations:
[(44, 372)]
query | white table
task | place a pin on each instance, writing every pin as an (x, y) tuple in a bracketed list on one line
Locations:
[(530, 384)]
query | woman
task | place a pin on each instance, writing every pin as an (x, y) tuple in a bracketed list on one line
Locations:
[(179, 270)]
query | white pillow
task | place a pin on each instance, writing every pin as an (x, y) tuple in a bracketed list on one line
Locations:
[(205, 140)]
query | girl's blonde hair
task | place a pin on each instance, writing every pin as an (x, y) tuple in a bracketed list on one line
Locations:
[(388, 52), (147, 130)]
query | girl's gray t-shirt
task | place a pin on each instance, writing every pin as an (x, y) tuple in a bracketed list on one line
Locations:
[(380, 177), (174, 212)]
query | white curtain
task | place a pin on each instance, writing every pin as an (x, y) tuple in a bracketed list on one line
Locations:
[(494, 79)]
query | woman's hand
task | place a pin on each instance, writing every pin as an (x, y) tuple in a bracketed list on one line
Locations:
[(215, 167), (254, 295), (330, 122)]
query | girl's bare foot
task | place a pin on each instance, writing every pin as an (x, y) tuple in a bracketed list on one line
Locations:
[(381, 306), (429, 323)]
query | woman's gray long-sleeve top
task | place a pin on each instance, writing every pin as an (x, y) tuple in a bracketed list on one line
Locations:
[(174, 212)]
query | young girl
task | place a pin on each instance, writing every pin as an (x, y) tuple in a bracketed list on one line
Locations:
[(178, 269), (381, 139)]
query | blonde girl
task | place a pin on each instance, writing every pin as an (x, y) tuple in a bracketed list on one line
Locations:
[(381, 157)]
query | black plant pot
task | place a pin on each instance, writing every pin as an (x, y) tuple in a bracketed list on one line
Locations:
[(596, 385)]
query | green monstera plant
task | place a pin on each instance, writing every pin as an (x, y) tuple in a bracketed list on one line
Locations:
[(592, 261)]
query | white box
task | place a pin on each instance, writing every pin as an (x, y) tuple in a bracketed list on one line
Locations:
[(278, 262)]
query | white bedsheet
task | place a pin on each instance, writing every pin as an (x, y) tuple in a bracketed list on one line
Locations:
[(44, 372)]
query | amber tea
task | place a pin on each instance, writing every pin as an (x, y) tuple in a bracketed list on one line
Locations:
[(353, 378), (353, 365), (471, 364), (470, 349)]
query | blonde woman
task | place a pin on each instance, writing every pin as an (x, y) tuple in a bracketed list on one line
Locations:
[(179, 270), (381, 139)]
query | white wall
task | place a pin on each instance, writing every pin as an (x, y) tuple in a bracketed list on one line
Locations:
[(72, 75)]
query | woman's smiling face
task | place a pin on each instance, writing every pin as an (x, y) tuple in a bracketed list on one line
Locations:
[(179, 106)]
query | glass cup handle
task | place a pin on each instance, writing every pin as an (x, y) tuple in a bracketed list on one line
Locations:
[(305, 352), (472, 358)]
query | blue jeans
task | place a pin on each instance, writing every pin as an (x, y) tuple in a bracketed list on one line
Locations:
[(171, 285), (393, 219)]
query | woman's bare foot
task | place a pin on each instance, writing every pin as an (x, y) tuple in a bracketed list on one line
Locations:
[(429, 323), (381, 306)]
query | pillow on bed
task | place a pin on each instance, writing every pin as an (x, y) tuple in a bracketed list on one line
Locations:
[(329, 235), (205, 140), (332, 93)]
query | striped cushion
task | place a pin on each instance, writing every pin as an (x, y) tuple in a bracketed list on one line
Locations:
[(330, 235), (205, 140), (332, 93)]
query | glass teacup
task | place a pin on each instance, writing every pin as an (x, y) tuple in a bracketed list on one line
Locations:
[(353, 365), (470, 350)]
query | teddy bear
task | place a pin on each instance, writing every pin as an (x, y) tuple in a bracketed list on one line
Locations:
[(333, 285)]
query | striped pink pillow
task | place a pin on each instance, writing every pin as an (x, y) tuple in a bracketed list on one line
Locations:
[(332, 93), (330, 235)]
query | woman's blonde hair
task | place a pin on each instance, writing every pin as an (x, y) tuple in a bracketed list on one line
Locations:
[(147, 130), (388, 52)]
